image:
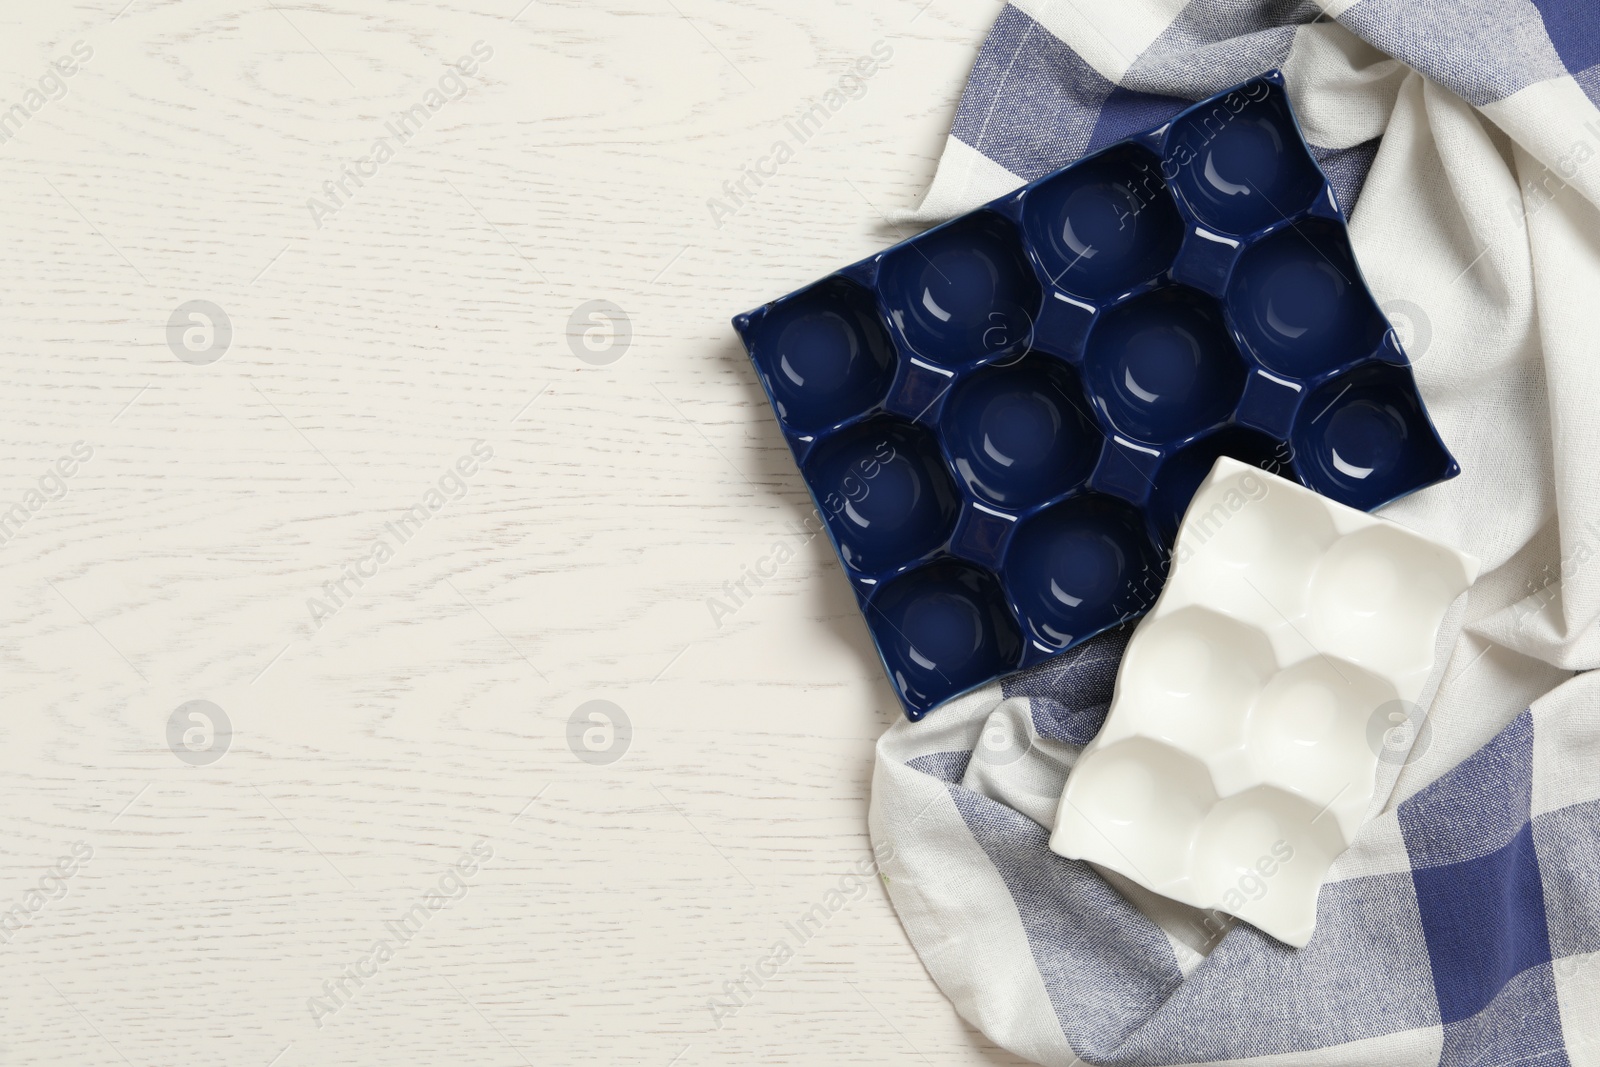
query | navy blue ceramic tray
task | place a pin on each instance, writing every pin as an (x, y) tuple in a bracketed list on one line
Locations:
[(1002, 419)]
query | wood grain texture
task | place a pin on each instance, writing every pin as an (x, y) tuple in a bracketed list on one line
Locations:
[(430, 712)]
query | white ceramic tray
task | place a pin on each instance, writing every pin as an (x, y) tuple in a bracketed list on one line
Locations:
[(1238, 758)]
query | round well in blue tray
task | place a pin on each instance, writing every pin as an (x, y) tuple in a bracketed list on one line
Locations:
[(1105, 225), (963, 292), (1239, 163), (1364, 439), (1162, 366), (823, 354), (1021, 434), (943, 628), (1299, 302), (1078, 567), (884, 491)]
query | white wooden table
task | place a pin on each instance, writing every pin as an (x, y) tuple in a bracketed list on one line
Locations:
[(195, 513)]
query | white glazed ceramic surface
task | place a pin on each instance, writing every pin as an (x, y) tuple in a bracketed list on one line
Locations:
[(1240, 753)]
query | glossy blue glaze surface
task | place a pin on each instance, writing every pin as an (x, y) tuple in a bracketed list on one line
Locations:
[(890, 497), (1299, 302), (1021, 434), (1365, 434), (825, 356), (1162, 366), (1003, 419), (1238, 160), (1080, 567), (960, 294), (944, 625), (1105, 225)]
